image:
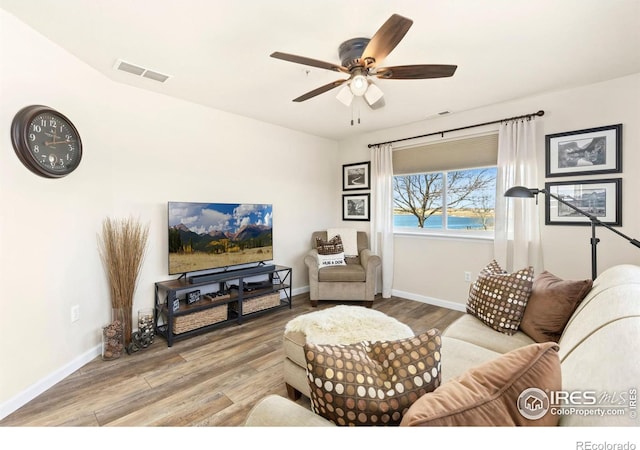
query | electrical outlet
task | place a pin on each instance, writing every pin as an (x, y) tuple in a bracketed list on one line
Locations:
[(75, 313), (467, 277)]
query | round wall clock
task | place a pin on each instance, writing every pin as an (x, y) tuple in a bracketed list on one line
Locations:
[(46, 141)]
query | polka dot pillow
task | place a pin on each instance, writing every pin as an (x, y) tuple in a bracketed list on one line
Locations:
[(372, 383), (499, 298)]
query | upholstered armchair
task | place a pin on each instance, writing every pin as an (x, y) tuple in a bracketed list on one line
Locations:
[(355, 281)]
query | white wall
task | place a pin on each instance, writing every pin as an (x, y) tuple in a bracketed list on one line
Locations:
[(140, 150), (432, 269)]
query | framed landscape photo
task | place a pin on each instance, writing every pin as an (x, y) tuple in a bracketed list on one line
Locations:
[(355, 207), (356, 176), (584, 152), (600, 198)]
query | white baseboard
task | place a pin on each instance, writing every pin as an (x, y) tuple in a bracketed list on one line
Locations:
[(409, 296), (38, 388), (300, 290), (430, 300)]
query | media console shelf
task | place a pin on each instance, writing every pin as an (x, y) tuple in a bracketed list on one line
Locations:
[(226, 298)]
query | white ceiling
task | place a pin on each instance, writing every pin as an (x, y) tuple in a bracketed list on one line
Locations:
[(217, 52)]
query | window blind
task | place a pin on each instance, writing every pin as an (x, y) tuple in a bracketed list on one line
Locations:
[(467, 153)]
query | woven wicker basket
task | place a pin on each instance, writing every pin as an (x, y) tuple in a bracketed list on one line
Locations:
[(189, 322), (258, 303)]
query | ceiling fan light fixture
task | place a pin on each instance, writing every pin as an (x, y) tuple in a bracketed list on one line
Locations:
[(373, 94), (345, 96), (358, 85)]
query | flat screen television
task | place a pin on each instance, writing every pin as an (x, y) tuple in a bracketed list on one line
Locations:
[(207, 236)]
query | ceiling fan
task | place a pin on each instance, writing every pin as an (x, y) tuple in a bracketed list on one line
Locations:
[(360, 58)]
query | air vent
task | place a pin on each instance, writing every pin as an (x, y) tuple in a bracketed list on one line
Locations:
[(140, 71), (155, 76)]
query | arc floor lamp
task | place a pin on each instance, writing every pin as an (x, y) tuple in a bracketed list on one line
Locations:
[(524, 192)]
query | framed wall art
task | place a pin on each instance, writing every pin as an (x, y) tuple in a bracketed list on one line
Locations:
[(584, 152), (356, 176), (600, 198), (355, 207)]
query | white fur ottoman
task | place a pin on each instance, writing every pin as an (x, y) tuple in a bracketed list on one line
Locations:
[(337, 325)]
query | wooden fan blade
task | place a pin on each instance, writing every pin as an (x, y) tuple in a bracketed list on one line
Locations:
[(309, 62), (416, 72), (320, 90), (385, 40)]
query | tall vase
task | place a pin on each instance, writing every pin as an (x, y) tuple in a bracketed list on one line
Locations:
[(113, 336)]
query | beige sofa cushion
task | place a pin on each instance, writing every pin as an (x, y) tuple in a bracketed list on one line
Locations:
[(348, 273), (276, 411), (490, 394), (606, 364), (453, 365), (600, 308), (471, 329), (293, 342)]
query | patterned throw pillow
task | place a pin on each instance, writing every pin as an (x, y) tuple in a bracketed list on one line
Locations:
[(331, 260), (499, 298), (331, 247), (372, 383), (331, 252)]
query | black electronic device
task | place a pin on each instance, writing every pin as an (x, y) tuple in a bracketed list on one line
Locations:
[(193, 297), (217, 276)]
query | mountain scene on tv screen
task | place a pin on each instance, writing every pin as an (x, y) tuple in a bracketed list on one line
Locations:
[(213, 235)]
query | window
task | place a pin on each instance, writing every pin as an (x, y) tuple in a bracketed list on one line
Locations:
[(446, 187), (456, 200)]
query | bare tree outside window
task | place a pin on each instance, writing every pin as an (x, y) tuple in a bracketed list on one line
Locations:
[(420, 195), (461, 199)]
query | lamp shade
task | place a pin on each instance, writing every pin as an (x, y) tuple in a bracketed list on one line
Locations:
[(521, 192), (345, 96), (359, 85), (373, 94)]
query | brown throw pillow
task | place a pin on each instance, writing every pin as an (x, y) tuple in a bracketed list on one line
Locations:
[(372, 383), (551, 304), (331, 247), (499, 299), (507, 391)]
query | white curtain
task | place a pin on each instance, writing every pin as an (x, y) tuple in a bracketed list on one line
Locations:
[(382, 212), (517, 232)]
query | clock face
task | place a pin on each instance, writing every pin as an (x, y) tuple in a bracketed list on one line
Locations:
[(46, 141)]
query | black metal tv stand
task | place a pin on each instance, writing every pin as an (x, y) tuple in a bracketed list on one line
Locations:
[(229, 297)]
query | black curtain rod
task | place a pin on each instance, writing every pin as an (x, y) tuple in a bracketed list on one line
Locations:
[(526, 116)]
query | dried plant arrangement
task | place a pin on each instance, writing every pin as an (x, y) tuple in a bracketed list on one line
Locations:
[(122, 248)]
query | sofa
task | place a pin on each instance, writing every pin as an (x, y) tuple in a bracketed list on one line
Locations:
[(597, 354)]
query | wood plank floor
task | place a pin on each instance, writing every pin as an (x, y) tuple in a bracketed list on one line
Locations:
[(213, 379)]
